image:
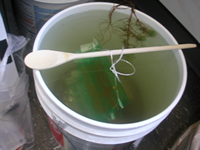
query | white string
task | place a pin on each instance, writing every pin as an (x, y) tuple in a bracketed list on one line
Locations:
[(118, 99), (113, 69)]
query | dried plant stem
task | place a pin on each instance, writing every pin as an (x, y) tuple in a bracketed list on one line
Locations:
[(126, 29)]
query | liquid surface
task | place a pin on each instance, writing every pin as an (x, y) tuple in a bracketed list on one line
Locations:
[(150, 90)]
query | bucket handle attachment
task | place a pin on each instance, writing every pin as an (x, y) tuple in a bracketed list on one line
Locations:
[(61, 124), (66, 137)]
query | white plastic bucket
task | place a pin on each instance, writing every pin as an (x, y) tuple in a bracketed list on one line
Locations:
[(32, 14), (85, 133)]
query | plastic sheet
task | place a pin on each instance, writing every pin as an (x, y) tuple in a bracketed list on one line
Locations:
[(190, 139), (16, 130), (93, 89)]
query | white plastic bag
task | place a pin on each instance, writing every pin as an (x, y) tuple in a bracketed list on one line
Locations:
[(190, 139), (16, 128)]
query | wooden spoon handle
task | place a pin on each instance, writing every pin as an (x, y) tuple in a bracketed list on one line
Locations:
[(134, 50)]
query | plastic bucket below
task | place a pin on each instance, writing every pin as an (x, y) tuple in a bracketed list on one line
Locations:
[(32, 14), (84, 133)]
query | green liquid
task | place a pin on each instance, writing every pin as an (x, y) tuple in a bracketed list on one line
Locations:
[(150, 90)]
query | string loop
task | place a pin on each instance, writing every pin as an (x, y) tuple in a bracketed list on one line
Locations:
[(113, 63)]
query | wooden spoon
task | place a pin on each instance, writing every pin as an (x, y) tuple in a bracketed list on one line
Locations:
[(45, 59)]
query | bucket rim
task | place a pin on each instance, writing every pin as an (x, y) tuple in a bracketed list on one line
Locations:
[(86, 120)]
